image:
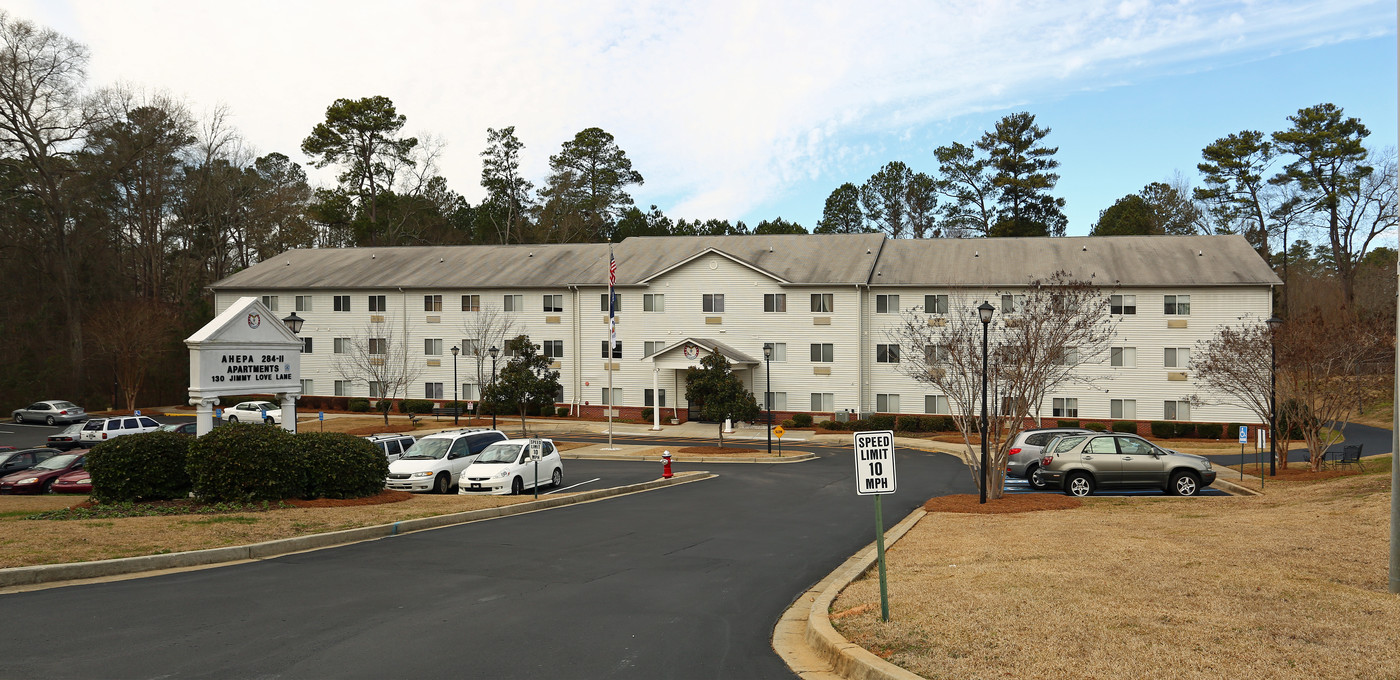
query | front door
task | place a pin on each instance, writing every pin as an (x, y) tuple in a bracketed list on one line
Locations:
[(1101, 455), (1140, 466)]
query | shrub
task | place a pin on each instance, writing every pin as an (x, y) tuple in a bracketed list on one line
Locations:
[(861, 425), (881, 421), (140, 467), (358, 405), (1125, 426), (1067, 423), (908, 423), (561, 412), (415, 406), (1232, 431), (246, 463), (1163, 430), (647, 413), (1210, 430), (939, 424), (339, 465), (1096, 427), (802, 419), (1187, 430)]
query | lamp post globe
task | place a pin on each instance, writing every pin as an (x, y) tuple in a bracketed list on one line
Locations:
[(984, 314), (293, 323)]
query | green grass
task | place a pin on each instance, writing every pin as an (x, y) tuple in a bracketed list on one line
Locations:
[(15, 513), (1380, 465)]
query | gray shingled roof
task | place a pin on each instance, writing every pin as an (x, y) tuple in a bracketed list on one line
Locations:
[(813, 259), (1126, 260)]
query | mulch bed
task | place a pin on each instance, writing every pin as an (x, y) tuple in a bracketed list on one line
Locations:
[(715, 450), (1024, 502), (1295, 472), (383, 497)]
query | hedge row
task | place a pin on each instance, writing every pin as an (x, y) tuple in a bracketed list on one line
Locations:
[(241, 463)]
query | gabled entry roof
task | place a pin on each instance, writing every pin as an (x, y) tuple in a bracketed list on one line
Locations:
[(704, 346)]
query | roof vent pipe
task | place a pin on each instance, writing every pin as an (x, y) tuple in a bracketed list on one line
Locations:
[(371, 256), (1084, 249), (1200, 253), (532, 254), (976, 254)]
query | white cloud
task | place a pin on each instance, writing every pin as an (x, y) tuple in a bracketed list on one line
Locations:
[(721, 105)]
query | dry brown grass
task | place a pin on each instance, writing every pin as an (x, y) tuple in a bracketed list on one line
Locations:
[(1288, 585), (720, 451), (27, 542)]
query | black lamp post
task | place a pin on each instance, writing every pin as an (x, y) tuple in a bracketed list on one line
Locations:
[(768, 387), (984, 313), (1274, 324), (293, 323), (494, 353), (456, 407)]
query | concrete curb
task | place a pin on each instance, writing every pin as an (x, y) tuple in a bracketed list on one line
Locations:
[(800, 457), (812, 612), (48, 573), (1235, 489)]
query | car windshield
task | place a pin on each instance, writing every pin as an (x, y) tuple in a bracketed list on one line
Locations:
[(499, 453), (75, 428), (6, 456), (429, 448), (1063, 444), (94, 425), (57, 462)]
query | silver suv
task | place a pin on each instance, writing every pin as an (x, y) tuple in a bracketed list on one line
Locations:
[(1079, 464), (394, 446), (1023, 458)]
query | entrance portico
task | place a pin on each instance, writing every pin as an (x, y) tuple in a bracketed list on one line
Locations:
[(681, 356)]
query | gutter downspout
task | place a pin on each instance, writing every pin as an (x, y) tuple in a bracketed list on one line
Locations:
[(577, 356)]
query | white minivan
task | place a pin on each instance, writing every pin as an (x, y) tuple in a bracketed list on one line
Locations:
[(506, 468), (435, 462)]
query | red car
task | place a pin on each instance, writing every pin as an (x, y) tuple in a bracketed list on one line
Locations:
[(40, 478), (77, 481)]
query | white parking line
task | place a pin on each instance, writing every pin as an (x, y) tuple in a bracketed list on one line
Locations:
[(572, 486), (33, 425)]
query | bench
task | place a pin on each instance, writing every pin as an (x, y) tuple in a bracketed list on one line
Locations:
[(454, 411)]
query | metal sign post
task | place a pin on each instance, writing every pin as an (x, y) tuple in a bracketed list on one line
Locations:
[(778, 432), (1244, 439), (536, 447), (875, 477), (1263, 444)]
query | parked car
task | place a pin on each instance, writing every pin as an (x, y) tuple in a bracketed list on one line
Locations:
[(67, 439), (50, 412), (437, 460), (1079, 464), (1023, 458), (77, 481), (102, 429), (254, 412), (394, 446), (180, 428), (23, 459), (506, 468), (41, 477)]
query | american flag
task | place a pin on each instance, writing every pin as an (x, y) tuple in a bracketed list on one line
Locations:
[(612, 299)]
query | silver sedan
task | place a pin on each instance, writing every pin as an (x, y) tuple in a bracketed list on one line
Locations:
[(50, 412)]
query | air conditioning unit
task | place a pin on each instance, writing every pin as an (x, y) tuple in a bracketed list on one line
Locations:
[(843, 416)]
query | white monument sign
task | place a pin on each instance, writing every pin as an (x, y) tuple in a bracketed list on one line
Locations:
[(245, 350)]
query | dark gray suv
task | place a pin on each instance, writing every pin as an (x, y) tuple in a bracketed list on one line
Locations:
[(1079, 464)]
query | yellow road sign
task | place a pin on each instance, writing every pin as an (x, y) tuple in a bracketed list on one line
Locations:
[(778, 432)]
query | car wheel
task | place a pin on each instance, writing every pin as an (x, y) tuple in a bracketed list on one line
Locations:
[(1079, 484), (443, 483), (1034, 481), (47, 487), (267, 420), (1184, 484), (49, 420), (557, 479), (233, 419), (517, 487), (19, 418)]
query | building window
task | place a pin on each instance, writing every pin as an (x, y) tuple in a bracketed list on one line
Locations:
[(779, 352), (935, 354), (934, 403), (887, 403), (653, 302), (712, 303), (554, 303), (342, 345), (935, 304), (1176, 410), (775, 302), (432, 346), (1176, 357), (616, 351), (514, 303), (1067, 356), (822, 353), (823, 303), (1176, 305), (378, 390), (471, 303), (377, 303), (378, 346), (470, 348), (616, 396), (617, 302), (1122, 357), (1122, 409), (303, 303), (306, 345), (307, 386), (1122, 304), (342, 388), (432, 390), (649, 399), (432, 303), (1065, 408), (470, 392), (651, 347), (886, 354), (886, 304), (342, 303), (823, 401), (1011, 304), (775, 401), (553, 349), (270, 301)]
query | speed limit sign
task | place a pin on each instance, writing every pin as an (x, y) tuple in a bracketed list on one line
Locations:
[(875, 462)]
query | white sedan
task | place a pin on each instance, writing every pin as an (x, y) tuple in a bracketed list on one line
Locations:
[(506, 468), (254, 412)]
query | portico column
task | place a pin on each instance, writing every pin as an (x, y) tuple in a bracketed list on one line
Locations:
[(204, 415), (655, 398), (289, 410)]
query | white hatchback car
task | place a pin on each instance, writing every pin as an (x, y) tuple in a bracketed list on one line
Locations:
[(506, 468), (255, 412), (435, 462)]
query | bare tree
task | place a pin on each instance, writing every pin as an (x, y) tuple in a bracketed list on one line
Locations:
[(1364, 214), (379, 357), (1234, 367), (133, 335), (1057, 324), (485, 326)]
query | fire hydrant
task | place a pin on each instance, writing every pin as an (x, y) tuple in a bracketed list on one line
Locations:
[(666, 465)]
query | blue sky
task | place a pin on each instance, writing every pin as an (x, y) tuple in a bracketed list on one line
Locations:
[(748, 110)]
